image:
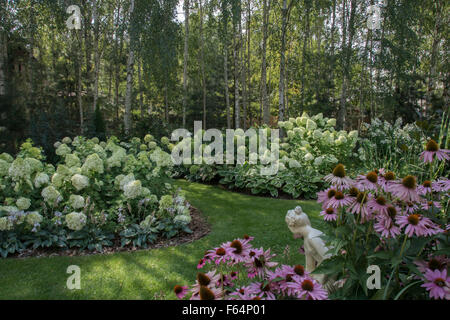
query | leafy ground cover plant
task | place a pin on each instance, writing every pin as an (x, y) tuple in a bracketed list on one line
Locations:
[(238, 271), (397, 223)]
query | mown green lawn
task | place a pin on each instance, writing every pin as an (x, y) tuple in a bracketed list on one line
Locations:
[(152, 274)]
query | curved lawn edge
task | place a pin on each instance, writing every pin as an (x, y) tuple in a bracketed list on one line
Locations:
[(152, 274)]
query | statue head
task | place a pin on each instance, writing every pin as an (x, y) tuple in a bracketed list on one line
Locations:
[(297, 220)]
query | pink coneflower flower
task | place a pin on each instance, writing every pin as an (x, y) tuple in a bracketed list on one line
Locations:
[(262, 290), (425, 188), (431, 150), (367, 182), (339, 200), (207, 293), (431, 227), (378, 204), (360, 206), (427, 205), (244, 293), (180, 291), (434, 263), (325, 196), (287, 274), (386, 179), (438, 284), (239, 250), (416, 224), (208, 279), (338, 178), (443, 184), (411, 208), (406, 190), (329, 214), (308, 289), (219, 255), (259, 262), (386, 227)]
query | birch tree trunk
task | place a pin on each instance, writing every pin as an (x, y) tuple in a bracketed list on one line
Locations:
[(96, 54), (185, 59), (130, 69), (264, 97), (202, 62)]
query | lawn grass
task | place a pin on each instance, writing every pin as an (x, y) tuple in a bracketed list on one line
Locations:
[(152, 274)]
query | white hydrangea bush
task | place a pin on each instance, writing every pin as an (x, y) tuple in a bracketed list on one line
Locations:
[(94, 185)]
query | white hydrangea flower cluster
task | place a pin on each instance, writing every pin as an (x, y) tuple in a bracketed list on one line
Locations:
[(76, 201), (75, 220), (41, 179), (50, 195), (162, 159), (93, 163), (133, 189), (5, 224), (63, 149), (23, 203), (19, 169), (80, 182), (33, 218)]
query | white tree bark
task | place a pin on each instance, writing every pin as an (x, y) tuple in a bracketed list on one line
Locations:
[(130, 70)]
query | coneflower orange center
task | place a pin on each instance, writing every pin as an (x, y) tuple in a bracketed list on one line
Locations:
[(339, 171), (203, 279), (221, 252), (439, 282), (353, 191), (427, 184), (331, 193), (330, 211), (414, 219), (289, 278), (246, 236), (392, 212), (178, 289), (381, 201), (372, 177), (237, 245), (432, 146), (361, 198), (299, 269), (389, 176), (434, 264), (307, 285), (409, 182), (339, 195), (206, 293)]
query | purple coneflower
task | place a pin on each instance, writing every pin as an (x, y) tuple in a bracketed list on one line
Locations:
[(416, 224), (262, 290), (338, 178), (406, 190), (431, 150), (219, 255), (329, 214), (308, 289), (367, 182), (378, 204), (339, 200), (239, 249), (206, 280), (180, 291), (386, 227), (427, 205), (325, 196), (425, 188), (386, 179), (438, 284), (443, 184), (433, 263), (259, 262)]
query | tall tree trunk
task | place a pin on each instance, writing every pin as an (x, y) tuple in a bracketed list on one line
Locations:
[(79, 84), (185, 59), (281, 88), (202, 63), (130, 69), (96, 53), (166, 103), (236, 44), (227, 93), (248, 81), (88, 49), (3, 62), (434, 52), (265, 99), (117, 55), (305, 46), (243, 78), (141, 87), (346, 63)]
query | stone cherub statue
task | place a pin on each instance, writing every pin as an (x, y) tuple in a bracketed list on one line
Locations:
[(315, 249)]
